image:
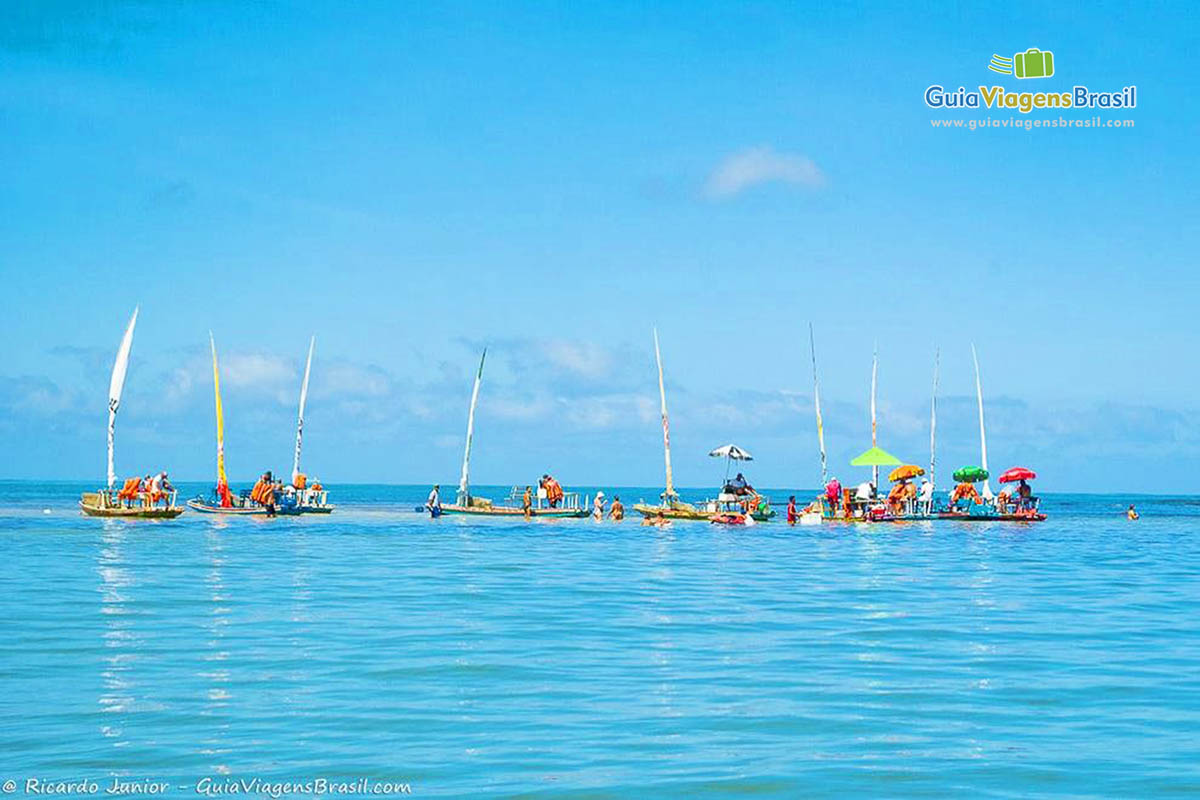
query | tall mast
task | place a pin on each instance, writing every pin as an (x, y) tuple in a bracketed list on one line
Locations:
[(987, 489), (662, 394), (300, 417), (115, 386), (221, 479), (874, 441), (937, 355), (464, 483), (812, 346)]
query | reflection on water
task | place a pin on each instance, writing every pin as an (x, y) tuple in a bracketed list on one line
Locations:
[(119, 637), (215, 675)]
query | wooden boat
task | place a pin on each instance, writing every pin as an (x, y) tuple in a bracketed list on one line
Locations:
[(105, 502), (709, 510), (670, 506), (246, 508), (465, 503), (570, 508)]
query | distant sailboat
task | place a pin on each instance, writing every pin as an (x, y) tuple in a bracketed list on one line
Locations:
[(310, 498), (937, 356), (669, 495), (670, 506), (987, 489), (300, 416), (465, 503), (874, 426), (107, 502), (464, 482), (812, 346)]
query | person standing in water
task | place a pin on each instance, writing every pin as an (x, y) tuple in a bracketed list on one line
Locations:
[(434, 503), (792, 516), (527, 502), (598, 507), (1132, 512), (616, 512)]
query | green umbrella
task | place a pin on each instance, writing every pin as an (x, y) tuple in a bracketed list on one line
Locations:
[(970, 474), (876, 457)]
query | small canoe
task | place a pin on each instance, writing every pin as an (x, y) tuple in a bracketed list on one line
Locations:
[(95, 504)]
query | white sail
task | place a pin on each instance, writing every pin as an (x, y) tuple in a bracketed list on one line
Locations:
[(464, 484), (300, 417), (987, 489), (937, 356), (874, 442), (662, 394), (115, 386), (812, 346)]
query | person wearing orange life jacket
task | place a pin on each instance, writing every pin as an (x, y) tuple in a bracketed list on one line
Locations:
[(554, 490), (965, 491)]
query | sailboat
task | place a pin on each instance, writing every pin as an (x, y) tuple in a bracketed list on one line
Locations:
[(466, 503), (311, 499), (109, 502), (988, 511), (670, 506), (222, 500)]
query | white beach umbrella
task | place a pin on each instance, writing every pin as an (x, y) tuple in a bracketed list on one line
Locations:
[(730, 452)]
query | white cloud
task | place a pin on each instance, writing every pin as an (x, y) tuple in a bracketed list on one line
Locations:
[(582, 358), (759, 165), (257, 371)]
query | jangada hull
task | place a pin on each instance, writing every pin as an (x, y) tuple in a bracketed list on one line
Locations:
[(94, 505), (509, 511), (692, 513)]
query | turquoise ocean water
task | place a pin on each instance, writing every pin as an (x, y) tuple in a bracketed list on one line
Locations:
[(482, 658)]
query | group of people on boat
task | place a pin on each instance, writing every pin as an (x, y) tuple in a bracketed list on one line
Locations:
[(146, 492), (907, 498), (270, 493)]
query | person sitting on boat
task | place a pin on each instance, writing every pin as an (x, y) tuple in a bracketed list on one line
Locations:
[(965, 492), (433, 504), (598, 507), (160, 488), (1025, 499), (865, 492), (925, 496), (833, 495), (739, 486), (130, 491), (616, 511), (1003, 499), (1132, 512), (895, 498), (145, 492)]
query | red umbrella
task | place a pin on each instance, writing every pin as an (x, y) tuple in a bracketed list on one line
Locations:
[(1018, 474)]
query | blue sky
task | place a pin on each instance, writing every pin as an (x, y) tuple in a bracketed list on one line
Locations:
[(412, 181)]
